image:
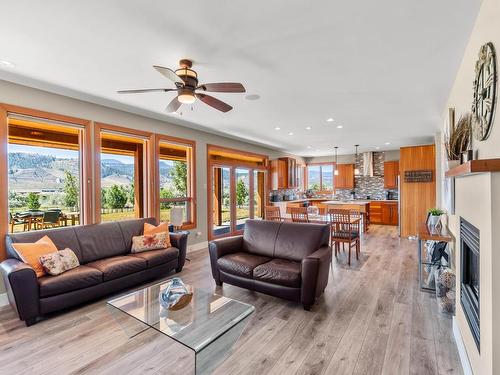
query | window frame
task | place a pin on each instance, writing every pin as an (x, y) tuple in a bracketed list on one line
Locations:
[(321, 190), (159, 139), (148, 175), (85, 162)]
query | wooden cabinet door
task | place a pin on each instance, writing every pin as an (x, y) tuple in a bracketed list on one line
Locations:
[(394, 214), (345, 178), (375, 213), (391, 172), (386, 213)]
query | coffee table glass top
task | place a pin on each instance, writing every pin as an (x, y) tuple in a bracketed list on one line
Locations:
[(207, 317)]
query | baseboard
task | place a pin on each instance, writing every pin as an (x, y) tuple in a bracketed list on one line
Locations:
[(197, 246), (4, 301), (464, 359)]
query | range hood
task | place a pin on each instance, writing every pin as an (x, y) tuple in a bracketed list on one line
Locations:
[(367, 159)]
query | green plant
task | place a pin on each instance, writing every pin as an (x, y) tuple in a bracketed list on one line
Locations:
[(70, 190), (459, 138), (241, 193), (33, 201), (436, 211), (116, 197)]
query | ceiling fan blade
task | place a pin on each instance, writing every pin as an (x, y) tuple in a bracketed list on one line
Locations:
[(170, 74), (213, 102), (173, 105), (222, 87), (138, 91)]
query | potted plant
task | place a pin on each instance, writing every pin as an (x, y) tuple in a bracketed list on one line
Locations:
[(434, 216), (458, 140)]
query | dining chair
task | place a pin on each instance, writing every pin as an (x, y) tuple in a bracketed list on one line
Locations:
[(49, 219), (273, 213), (344, 229), (299, 214), (15, 220)]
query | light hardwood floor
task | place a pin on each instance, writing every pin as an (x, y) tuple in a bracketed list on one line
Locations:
[(372, 319)]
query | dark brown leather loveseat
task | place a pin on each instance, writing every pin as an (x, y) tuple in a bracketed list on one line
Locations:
[(286, 260), (106, 266)]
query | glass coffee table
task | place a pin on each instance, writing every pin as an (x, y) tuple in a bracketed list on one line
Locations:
[(209, 325)]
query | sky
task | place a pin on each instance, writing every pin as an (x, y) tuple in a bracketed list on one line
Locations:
[(58, 153)]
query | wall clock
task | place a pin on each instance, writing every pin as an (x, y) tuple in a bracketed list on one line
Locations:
[(483, 105)]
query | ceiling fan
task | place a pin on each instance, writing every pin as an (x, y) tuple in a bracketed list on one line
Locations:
[(186, 82)]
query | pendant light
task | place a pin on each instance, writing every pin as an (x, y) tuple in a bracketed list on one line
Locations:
[(356, 169), (336, 173)]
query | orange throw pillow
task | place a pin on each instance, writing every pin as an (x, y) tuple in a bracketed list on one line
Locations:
[(30, 253), (150, 229)]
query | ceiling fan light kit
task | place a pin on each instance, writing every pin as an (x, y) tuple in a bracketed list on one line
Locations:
[(186, 82)]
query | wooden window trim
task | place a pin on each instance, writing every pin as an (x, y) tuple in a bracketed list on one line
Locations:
[(85, 162), (319, 164), (148, 176), (161, 138), (232, 165)]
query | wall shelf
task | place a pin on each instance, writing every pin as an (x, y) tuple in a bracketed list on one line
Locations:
[(474, 166)]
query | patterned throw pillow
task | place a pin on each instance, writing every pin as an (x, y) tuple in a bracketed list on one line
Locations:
[(30, 253), (59, 262), (150, 229), (149, 242)]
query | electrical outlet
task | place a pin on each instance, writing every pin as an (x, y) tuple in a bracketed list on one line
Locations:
[(198, 234)]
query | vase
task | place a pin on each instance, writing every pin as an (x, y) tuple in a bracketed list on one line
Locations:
[(433, 220), (453, 163)]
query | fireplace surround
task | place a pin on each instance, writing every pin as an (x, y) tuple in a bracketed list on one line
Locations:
[(470, 285)]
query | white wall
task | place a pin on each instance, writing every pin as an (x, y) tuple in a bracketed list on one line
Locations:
[(470, 198)]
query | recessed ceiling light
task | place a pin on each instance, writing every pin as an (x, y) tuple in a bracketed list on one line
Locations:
[(308, 128), (387, 143), (377, 148), (7, 64), (329, 119), (252, 97), (277, 128), (339, 126), (290, 133)]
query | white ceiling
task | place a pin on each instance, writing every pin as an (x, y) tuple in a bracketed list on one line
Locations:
[(381, 69)]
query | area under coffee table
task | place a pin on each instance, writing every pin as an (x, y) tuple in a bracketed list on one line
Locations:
[(209, 325)]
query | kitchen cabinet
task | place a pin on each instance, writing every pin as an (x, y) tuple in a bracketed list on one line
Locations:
[(384, 212), (283, 173), (345, 178), (391, 173)]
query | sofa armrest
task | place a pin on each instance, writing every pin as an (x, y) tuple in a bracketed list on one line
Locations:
[(22, 288), (219, 248), (179, 240), (315, 270)]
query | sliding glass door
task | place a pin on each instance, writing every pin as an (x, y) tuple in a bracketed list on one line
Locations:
[(238, 194)]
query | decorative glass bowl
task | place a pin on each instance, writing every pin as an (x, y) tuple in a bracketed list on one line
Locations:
[(176, 296)]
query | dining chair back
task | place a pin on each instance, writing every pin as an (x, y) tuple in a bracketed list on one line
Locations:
[(344, 229), (273, 213), (299, 214)]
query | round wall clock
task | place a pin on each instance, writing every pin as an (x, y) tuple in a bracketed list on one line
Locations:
[(483, 106)]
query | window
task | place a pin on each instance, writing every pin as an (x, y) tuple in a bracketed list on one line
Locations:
[(176, 179), (320, 177), (124, 173), (237, 189), (45, 173)]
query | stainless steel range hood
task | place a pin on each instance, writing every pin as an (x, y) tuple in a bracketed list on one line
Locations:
[(367, 170)]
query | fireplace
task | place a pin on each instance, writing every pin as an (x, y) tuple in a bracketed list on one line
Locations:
[(469, 270)]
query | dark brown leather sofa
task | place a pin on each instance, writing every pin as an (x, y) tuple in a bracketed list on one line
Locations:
[(106, 266), (286, 260)]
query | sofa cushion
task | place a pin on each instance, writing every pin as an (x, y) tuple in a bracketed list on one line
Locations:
[(115, 267), (241, 264), (156, 257), (76, 278), (279, 271), (61, 237), (296, 241), (132, 228), (259, 237), (100, 241)]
